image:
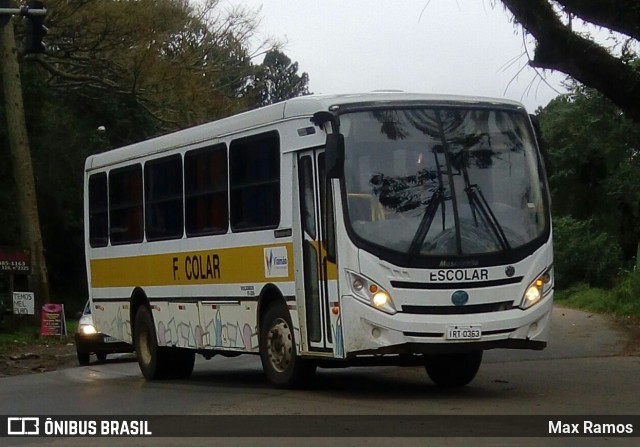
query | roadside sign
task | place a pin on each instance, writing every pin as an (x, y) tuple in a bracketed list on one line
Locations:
[(24, 303), (14, 261), (52, 321)]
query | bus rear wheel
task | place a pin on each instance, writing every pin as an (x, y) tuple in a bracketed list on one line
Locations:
[(154, 360), (159, 362), (280, 360), (453, 370)]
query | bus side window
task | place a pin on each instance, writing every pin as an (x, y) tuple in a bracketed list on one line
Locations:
[(163, 198), (206, 191), (305, 173), (125, 205), (254, 166), (98, 210)]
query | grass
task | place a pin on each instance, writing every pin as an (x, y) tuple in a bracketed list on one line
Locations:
[(28, 333), (623, 300)]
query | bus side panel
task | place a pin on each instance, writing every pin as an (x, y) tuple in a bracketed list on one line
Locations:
[(229, 326), (162, 319), (178, 326), (112, 318)]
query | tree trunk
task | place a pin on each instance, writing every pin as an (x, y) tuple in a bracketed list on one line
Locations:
[(30, 235)]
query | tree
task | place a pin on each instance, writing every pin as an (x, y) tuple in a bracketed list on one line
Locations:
[(183, 64), (277, 79), (576, 241), (559, 47), (30, 234), (595, 159)]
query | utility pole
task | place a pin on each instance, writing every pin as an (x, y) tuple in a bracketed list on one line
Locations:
[(30, 234)]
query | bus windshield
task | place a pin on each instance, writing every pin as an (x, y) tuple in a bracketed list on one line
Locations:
[(443, 181)]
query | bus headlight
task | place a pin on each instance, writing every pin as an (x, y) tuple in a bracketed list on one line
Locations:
[(370, 293), (538, 289)]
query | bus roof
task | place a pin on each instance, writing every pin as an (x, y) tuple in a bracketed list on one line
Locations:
[(297, 107)]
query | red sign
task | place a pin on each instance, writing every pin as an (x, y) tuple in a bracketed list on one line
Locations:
[(52, 321), (14, 261)]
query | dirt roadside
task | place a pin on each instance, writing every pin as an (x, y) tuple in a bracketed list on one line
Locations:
[(632, 326), (37, 357)]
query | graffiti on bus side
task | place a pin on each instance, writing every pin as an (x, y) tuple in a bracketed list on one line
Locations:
[(217, 333)]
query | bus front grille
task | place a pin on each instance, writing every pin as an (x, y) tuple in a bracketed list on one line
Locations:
[(458, 310)]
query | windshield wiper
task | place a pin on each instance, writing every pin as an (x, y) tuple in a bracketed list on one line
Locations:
[(478, 201), (427, 219)]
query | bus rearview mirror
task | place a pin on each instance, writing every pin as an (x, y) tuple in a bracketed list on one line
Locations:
[(334, 155)]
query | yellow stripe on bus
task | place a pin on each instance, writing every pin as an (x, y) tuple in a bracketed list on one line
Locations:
[(213, 266), (222, 266)]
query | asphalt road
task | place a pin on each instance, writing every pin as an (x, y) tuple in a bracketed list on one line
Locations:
[(591, 367)]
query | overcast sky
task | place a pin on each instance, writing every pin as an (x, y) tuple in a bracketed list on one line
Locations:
[(427, 46)]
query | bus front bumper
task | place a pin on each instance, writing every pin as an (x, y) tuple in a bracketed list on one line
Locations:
[(370, 331)]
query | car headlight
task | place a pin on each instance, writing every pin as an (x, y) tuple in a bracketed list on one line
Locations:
[(538, 289), (370, 293), (87, 329)]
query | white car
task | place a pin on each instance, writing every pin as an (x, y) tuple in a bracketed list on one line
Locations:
[(89, 341)]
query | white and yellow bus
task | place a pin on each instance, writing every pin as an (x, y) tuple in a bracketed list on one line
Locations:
[(372, 229)]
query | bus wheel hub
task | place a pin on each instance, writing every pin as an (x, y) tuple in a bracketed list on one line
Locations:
[(280, 345)]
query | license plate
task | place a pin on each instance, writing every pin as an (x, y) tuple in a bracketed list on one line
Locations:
[(109, 339), (464, 332)]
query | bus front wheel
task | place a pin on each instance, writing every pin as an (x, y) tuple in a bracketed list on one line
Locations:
[(453, 370), (280, 360)]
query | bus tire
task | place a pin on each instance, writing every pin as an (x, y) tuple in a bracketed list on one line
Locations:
[(154, 360), (182, 362), (453, 370), (280, 361)]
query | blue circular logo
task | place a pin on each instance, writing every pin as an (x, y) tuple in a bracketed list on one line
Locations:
[(460, 298)]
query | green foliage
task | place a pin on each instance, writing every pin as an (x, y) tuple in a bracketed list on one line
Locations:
[(182, 61), (589, 141), (28, 334), (626, 294), (25, 335), (584, 253), (277, 80), (594, 177), (621, 300), (583, 296)]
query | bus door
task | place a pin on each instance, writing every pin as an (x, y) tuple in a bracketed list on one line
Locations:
[(319, 275)]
